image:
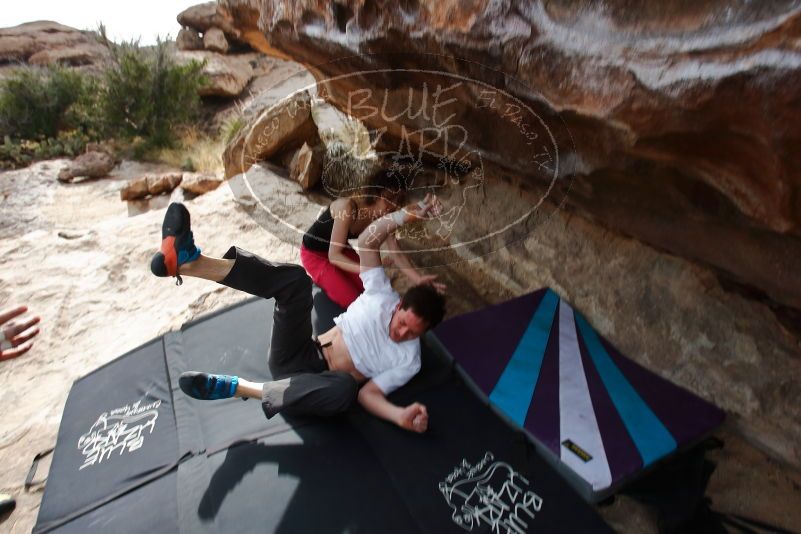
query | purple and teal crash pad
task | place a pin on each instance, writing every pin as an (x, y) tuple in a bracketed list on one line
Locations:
[(600, 418)]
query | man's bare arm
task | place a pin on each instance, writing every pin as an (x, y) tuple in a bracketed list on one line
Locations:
[(413, 417)]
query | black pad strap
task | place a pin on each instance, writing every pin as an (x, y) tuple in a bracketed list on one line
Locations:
[(32, 471)]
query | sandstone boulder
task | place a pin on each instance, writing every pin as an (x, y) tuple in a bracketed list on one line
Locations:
[(150, 184), (188, 39), (163, 183), (46, 42), (306, 166), (134, 189), (214, 40), (81, 54), (278, 129), (683, 134), (89, 165), (227, 75), (199, 184), (202, 17)]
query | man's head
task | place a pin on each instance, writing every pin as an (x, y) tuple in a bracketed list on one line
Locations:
[(420, 309)]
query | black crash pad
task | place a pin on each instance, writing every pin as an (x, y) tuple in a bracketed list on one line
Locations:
[(149, 459)]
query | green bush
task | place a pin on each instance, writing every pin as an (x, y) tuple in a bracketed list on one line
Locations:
[(19, 153), (146, 95), (142, 98), (37, 103)]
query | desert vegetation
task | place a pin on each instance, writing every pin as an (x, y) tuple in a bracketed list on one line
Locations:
[(141, 102)]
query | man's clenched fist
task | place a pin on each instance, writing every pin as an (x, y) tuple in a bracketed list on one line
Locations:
[(414, 417)]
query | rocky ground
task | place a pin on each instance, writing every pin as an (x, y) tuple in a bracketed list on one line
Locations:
[(78, 257)]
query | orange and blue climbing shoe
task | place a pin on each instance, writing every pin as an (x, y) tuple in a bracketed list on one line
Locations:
[(177, 244)]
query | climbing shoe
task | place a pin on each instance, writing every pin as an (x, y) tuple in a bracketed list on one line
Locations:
[(177, 244), (206, 386)]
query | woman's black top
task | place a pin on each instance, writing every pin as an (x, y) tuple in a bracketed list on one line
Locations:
[(318, 237)]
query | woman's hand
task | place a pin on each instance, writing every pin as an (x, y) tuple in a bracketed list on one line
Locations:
[(431, 280), (428, 208)]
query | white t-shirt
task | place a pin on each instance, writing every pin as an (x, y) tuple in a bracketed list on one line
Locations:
[(365, 328)]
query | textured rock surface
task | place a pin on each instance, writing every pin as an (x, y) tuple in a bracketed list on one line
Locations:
[(46, 42), (278, 129), (306, 166), (680, 121), (158, 184), (151, 184), (135, 189), (89, 165), (228, 75), (214, 40), (202, 17), (188, 39), (198, 184)]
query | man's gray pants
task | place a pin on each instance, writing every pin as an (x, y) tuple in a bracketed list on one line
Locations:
[(302, 383)]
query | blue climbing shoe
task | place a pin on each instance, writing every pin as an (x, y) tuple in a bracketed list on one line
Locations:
[(207, 386)]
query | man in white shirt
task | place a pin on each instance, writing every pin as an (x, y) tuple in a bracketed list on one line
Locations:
[(373, 349)]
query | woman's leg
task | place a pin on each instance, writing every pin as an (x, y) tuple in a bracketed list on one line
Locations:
[(248, 389), (214, 269), (288, 284)]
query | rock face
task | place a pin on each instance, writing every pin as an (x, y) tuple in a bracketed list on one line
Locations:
[(151, 184), (96, 164), (227, 75), (277, 130), (214, 40), (163, 183), (188, 39), (306, 166), (678, 125), (198, 184), (203, 17), (135, 189), (45, 42)]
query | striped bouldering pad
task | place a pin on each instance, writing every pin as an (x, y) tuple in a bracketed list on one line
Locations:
[(598, 416)]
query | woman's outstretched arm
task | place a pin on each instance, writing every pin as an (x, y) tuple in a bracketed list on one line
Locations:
[(342, 212)]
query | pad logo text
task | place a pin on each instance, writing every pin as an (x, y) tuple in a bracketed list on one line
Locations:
[(490, 493), (122, 429)]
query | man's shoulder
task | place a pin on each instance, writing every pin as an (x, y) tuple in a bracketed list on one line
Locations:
[(381, 299), (374, 274), (412, 349)]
